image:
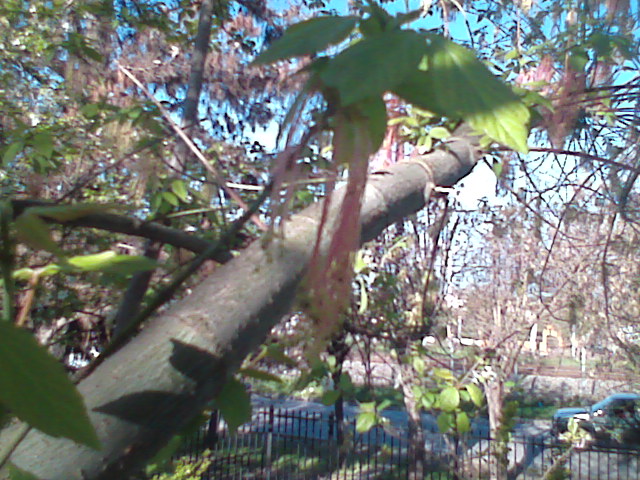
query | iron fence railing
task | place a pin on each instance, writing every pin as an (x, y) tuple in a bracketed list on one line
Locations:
[(281, 444)]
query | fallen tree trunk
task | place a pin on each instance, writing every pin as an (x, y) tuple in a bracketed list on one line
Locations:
[(154, 385)]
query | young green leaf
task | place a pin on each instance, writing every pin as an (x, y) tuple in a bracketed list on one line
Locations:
[(307, 38), (445, 421), (365, 421), (37, 390), (476, 394), (384, 60), (178, 187), (68, 213), (449, 399), (234, 404), (457, 85), (111, 262), (463, 425)]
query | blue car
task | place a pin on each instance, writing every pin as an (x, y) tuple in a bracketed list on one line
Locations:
[(613, 421)]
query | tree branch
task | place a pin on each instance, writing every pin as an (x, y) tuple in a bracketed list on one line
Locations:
[(154, 385), (128, 226)]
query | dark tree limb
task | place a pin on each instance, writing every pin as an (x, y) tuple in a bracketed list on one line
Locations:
[(154, 385), (136, 290), (128, 226)]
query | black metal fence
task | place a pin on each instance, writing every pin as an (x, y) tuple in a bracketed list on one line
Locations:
[(299, 445)]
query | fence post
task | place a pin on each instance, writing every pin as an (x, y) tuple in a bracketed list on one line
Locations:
[(266, 460), (212, 430)]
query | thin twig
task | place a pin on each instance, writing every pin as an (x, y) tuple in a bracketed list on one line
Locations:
[(196, 151)]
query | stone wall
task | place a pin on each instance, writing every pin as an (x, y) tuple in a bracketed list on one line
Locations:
[(573, 391)]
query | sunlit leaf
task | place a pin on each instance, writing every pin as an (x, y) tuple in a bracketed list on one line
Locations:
[(445, 422), (449, 399), (457, 85), (463, 425), (170, 198), (383, 60), (443, 373), (439, 133), (476, 394), (111, 262), (67, 213), (365, 421), (308, 37), (178, 187), (36, 388), (234, 404)]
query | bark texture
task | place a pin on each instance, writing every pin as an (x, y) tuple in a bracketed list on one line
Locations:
[(149, 389)]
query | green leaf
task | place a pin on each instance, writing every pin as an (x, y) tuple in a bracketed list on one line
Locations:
[(42, 143), (374, 65), (276, 352), (360, 265), (364, 297), (443, 373), (463, 425), (365, 421), (418, 364), (68, 213), (308, 37), (234, 404), (16, 473), (427, 400), (458, 85), (578, 59), (178, 187), (417, 90), (170, 198), (33, 231), (260, 375), (445, 422), (11, 152), (477, 397), (37, 390), (90, 110), (439, 133), (373, 112), (91, 53), (359, 130), (330, 397), (345, 383), (449, 399), (111, 262)]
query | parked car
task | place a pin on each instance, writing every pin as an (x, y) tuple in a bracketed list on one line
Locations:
[(613, 421)]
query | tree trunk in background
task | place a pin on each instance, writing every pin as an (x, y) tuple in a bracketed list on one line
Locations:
[(416, 438), (494, 392), (158, 382)]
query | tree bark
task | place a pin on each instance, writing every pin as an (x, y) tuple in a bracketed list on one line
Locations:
[(416, 437), (154, 385)]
